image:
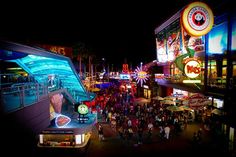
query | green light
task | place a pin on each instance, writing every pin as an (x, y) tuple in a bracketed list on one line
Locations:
[(83, 109)]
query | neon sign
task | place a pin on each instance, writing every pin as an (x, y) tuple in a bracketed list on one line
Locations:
[(125, 68), (140, 76), (83, 109), (192, 68), (58, 50), (197, 19), (62, 120)]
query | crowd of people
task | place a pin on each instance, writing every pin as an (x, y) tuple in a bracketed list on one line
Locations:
[(136, 121)]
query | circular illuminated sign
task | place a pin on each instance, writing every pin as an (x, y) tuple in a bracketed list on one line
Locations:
[(197, 19), (192, 68), (142, 74), (83, 109)]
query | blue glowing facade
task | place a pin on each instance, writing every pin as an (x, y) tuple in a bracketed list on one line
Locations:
[(50, 69)]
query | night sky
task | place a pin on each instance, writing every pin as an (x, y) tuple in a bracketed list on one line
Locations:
[(111, 29)]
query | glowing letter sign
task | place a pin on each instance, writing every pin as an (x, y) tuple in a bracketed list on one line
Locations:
[(58, 50), (140, 76), (197, 19), (192, 68), (62, 120), (125, 68)]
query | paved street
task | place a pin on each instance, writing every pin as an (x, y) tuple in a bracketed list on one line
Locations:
[(177, 144), (114, 146)]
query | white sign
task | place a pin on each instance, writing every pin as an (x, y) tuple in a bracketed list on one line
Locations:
[(192, 68)]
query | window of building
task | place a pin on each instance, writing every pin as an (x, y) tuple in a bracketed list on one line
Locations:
[(212, 72), (217, 41), (233, 38)]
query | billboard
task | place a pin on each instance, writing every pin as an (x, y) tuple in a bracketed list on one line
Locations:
[(217, 39), (124, 76)]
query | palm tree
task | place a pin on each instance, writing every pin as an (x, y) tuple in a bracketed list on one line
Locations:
[(83, 55)]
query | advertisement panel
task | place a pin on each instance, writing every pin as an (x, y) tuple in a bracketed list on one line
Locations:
[(161, 48), (218, 39)]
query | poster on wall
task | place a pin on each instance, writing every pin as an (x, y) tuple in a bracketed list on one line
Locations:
[(194, 43), (173, 45), (56, 102), (161, 48)]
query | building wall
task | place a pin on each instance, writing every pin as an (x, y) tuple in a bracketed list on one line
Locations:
[(34, 117), (19, 129)]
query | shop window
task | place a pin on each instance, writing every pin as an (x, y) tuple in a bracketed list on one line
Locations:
[(217, 72), (234, 73), (224, 68), (234, 68), (212, 72), (224, 72)]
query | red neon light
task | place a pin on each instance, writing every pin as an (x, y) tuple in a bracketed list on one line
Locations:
[(192, 69)]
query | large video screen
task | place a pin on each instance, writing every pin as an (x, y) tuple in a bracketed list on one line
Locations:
[(217, 41)]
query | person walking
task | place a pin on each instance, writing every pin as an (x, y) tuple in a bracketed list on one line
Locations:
[(150, 128), (100, 132), (140, 135), (167, 131)]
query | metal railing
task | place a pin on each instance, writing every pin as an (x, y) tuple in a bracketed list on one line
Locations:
[(20, 95)]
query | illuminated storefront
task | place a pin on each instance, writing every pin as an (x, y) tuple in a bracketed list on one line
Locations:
[(200, 62), (57, 86), (63, 138)]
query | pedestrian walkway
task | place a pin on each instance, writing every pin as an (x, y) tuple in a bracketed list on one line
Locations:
[(177, 144)]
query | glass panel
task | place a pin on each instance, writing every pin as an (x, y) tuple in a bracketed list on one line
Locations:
[(212, 72), (29, 95), (234, 70), (224, 61), (11, 100), (224, 72), (212, 62), (217, 42), (233, 45), (54, 73)]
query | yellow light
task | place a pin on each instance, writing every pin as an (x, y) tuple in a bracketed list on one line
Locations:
[(191, 81), (17, 68), (197, 19)]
